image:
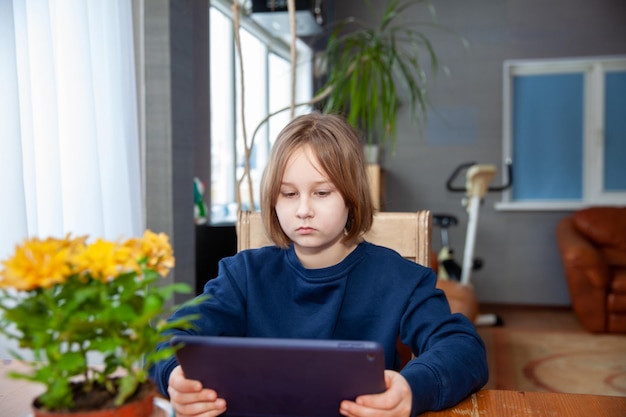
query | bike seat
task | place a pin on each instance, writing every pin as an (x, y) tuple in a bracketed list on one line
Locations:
[(445, 220)]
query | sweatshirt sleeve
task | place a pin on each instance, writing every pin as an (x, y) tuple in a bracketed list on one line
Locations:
[(220, 314), (160, 373), (450, 361)]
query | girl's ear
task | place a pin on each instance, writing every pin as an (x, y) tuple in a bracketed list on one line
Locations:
[(349, 222)]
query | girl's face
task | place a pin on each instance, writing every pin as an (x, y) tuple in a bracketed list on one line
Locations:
[(312, 212)]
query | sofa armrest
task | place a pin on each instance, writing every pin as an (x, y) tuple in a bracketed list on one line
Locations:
[(580, 255)]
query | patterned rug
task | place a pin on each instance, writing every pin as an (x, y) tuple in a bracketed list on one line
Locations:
[(556, 361)]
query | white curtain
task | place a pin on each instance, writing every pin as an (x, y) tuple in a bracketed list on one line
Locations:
[(69, 141)]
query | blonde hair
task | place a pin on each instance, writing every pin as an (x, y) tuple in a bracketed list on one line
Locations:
[(339, 152)]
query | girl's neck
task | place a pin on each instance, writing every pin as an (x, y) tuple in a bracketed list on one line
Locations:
[(324, 257)]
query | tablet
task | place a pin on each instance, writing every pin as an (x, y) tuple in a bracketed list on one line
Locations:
[(263, 377)]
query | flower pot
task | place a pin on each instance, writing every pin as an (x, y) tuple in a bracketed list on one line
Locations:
[(142, 404)]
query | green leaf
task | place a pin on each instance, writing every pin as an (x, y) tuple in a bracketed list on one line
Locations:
[(58, 394), (72, 362), (127, 386)]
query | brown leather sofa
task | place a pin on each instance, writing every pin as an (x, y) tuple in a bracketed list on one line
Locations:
[(592, 243)]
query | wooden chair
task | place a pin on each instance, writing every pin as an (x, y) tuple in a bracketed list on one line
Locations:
[(409, 233)]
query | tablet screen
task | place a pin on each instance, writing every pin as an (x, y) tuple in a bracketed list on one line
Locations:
[(262, 377)]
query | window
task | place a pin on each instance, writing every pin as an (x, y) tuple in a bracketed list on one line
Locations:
[(266, 72), (565, 131), (69, 148)]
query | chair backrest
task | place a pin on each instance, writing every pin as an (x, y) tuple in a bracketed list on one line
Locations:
[(408, 233)]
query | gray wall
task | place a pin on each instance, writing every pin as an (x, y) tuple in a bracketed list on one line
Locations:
[(177, 122), (522, 264)]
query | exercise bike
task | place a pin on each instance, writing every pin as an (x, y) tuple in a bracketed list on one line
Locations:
[(477, 180)]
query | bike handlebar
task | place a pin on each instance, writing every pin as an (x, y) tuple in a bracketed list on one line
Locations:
[(466, 165)]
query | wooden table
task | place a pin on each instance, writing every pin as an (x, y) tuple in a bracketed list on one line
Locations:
[(497, 403), (16, 397)]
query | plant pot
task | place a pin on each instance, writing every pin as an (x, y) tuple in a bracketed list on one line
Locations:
[(142, 404), (371, 153)]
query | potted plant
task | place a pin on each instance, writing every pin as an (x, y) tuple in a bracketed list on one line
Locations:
[(371, 70), (67, 300)]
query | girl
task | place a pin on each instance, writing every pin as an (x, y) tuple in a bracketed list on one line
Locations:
[(322, 280)]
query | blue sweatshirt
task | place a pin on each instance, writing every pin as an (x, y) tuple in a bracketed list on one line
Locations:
[(373, 294)]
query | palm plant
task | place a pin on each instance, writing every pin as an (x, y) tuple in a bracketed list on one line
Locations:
[(371, 69)]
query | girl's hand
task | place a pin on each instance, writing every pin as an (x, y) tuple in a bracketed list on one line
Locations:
[(396, 401), (188, 398)]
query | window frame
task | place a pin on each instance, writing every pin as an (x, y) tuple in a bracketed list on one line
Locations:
[(593, 70), (225, 212)]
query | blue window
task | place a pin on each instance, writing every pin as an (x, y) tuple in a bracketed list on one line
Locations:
[(565, 131)]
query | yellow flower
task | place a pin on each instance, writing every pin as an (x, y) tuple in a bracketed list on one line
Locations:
[(104, 260), (38, 263), (43, 263), (155, 249)]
